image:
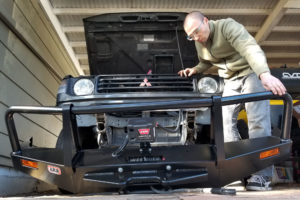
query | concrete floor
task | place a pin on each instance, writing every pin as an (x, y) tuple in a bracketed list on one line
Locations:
[(279, 192)]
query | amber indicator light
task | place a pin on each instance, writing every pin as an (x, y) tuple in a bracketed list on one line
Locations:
[(269, 153), (31, 164)]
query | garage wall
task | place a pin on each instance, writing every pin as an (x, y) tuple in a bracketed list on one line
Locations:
[(32, 64)]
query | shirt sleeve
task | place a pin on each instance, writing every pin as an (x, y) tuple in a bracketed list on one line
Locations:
[(240, 39), (203, 64)]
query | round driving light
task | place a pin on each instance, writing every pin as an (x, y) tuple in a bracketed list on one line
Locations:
[(83, 87), (207, 85)]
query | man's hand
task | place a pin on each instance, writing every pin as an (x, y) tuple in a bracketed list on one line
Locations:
[(272, 83), (187, 72)]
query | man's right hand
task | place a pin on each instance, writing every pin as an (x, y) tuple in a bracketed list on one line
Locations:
[(187, 72)]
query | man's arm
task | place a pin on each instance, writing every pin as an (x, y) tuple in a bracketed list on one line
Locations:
[(201, 67), (241, 40), (246, 45)]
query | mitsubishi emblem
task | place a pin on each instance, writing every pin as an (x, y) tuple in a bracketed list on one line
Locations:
[(145, 83)]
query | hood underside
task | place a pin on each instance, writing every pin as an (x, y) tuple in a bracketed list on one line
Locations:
[(126, 43)]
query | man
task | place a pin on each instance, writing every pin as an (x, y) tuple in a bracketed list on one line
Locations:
[(241, 62)]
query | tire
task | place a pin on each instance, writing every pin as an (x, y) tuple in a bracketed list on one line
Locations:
[(243, 129), (63, 191), (59, 141)]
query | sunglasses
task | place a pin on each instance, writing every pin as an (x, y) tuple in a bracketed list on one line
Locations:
[(192, 36)]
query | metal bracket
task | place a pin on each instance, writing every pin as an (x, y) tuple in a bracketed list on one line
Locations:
[(70, 135), (217, 128)]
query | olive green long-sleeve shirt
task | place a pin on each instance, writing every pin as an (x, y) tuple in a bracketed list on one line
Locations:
[(232, 49)]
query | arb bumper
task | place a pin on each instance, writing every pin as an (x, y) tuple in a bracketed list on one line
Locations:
[(203, 165)]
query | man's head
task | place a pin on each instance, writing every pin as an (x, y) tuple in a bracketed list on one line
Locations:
[(196, 27)]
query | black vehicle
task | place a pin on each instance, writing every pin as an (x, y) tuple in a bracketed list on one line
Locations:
[(134, 122)]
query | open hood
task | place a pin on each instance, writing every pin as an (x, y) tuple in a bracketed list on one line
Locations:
[(135, 43)]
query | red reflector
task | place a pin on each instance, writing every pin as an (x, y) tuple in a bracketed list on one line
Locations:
[(269, 153), (144, 131), (31, 164)]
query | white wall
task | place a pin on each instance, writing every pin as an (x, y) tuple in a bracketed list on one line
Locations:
[(32, 63)]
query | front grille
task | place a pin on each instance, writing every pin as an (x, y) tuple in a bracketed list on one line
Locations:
[(144, 83)]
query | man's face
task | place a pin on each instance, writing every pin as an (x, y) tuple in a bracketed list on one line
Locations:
[(197, 30)]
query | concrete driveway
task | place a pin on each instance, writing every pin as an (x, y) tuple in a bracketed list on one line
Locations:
[(279, 192)]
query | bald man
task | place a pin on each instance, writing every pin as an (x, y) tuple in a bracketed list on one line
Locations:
[(241, 62)]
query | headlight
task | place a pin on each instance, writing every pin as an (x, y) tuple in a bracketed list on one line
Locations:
[(83, 87), (207, 85)]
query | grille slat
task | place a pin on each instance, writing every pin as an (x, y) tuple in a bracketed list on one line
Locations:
[(104, 83), (142, 78), (143, 88), (144, 83)]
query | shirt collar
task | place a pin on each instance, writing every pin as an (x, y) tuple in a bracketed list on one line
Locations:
[(212, 29)]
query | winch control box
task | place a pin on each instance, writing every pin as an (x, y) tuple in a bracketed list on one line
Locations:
[(141, 130)]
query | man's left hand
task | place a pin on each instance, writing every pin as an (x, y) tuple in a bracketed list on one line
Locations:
[(272, 83)]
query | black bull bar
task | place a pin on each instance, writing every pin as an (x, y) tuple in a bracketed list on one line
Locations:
[(202, 165)]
